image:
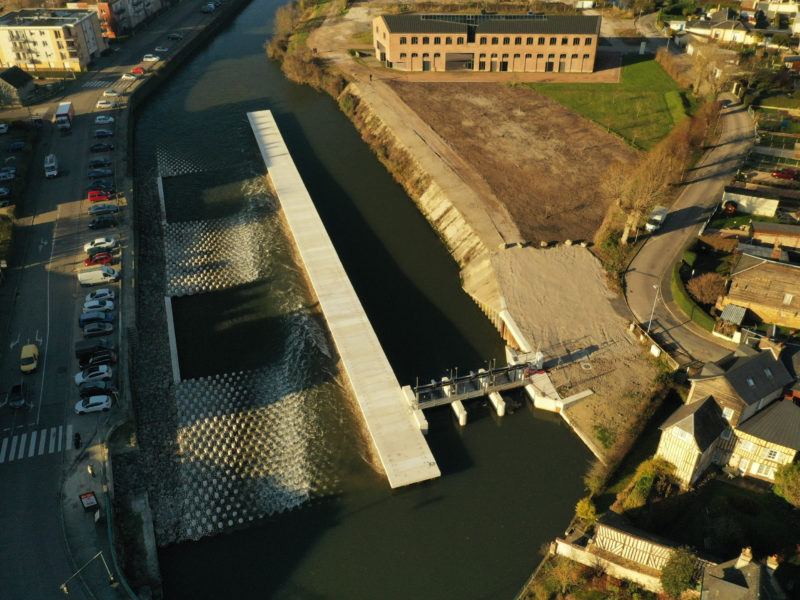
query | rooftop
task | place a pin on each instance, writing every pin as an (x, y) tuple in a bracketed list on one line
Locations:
[(702, 420), (488, 24), (750, 373), (779, 423), (763, 227), (42, 17)]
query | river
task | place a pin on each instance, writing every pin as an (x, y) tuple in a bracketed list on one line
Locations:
[(508, 485)]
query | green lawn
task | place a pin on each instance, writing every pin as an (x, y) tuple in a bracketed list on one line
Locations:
[(642, 108)]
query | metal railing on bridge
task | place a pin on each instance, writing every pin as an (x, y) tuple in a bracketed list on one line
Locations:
[(474, 385)]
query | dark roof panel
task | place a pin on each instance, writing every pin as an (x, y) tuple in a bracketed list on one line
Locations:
[(778, 423), (489, 24), (415, 24), (703, 420), (16, 77)]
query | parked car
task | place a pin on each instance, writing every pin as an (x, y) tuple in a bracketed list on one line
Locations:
[(103, 133), (103, 222), (98, 173), (95, 388), (100, 294), (103, 120), (98, 373), (5, 192), (137, 71), (99, 161), (105, 104), (150, 58), (16, 147), (103, 305), (101, 258), (103, 185), (785, 173), (103, 357), (4, 126), (161, 49), (102, 244), (16, 396), (97, 329), (95, 317), (7, 175), (8, 169), (29, 358), (101, 147), (93, 404), (174, 36), (98, 196), (103, 209), (111, 93)]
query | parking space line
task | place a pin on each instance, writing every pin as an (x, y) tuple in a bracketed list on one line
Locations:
[(22, 445), (69, 436), (3, 450), (13, 448), (42, 438), (52, 440), (60, 432), (32, 447)]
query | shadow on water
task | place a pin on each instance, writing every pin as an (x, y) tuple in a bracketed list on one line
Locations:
[(204, 195)]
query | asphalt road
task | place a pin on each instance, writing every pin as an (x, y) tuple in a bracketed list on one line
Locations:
[(41, 301), (650, 271)]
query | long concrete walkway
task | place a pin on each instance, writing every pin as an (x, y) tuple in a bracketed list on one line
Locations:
[(396, 435)]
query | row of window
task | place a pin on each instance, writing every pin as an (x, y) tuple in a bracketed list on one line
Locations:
[(495, 41), (495, 56)]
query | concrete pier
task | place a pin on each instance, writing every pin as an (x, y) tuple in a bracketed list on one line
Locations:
[(395, 432)]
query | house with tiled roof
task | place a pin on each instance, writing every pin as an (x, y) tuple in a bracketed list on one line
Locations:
[(731, 418), (741, 579), (487, 42)]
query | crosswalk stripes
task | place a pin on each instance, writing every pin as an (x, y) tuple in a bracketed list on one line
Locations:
[(35, 443), (99, 83)]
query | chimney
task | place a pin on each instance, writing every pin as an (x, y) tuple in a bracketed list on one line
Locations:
[(744, 558), (776, 251), (772, 564)]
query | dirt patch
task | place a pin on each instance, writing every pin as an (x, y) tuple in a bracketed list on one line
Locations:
[(543, 162)]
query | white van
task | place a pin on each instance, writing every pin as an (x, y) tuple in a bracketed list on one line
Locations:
[(50, 165), (97, 275)]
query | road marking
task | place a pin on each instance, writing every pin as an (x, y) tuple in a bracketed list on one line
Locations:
[(52, 439), (14, 343), (22, 446), (47, 332), (38, 339), (3, 450), (60, 428), (13, 448), (42, 438), (69, 436), (33, 444)]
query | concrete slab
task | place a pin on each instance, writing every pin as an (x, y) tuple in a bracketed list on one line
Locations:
[(395, 433)]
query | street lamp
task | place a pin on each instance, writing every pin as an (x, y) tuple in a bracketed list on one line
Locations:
[(657, 288), (111, 581)]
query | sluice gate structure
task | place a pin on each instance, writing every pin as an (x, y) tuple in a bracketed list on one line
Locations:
[(390, 419)]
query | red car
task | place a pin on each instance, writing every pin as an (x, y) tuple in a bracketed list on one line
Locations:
[(101, 258), (99, 196), (785, 173), (137, 70)]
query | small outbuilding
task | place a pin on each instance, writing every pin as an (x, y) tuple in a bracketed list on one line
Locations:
[(16, 86)]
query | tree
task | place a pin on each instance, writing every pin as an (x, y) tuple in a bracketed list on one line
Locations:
[(706, 288), (678, 573), (586, 511), (787, 483)]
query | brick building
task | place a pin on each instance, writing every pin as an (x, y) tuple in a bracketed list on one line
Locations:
[(512, 43)]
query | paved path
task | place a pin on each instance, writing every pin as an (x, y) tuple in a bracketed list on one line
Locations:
[(650, 271)]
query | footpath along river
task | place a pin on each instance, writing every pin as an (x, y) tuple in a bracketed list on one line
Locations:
[(508, 485)]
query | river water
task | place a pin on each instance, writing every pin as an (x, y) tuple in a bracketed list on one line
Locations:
[(508, 485)]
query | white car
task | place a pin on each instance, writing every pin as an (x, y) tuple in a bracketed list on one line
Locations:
[(105, 243), (161, 49), (3, 127), (130, 77), (101, 294), (150, 58), (95, 305), (7, 175), (106, 104), (98, 373), (103, 120), (92, 404), (112, 93)]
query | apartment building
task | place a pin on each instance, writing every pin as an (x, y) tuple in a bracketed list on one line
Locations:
[(513, 43), (38, 39), (120, 16)]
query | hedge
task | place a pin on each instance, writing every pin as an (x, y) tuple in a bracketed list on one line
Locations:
[(682, 299)]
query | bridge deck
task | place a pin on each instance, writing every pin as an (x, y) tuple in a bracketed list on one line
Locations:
[(395, 434)]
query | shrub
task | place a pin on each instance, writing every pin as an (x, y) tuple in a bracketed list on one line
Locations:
[(678, 572), (787, 483), (687, 305), (586, 510)]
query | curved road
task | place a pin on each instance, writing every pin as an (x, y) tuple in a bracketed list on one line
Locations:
[(650, 271)]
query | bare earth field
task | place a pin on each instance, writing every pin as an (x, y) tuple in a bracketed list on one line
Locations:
[(542, 162)]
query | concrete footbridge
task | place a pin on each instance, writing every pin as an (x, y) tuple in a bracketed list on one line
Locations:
[(393, 424)]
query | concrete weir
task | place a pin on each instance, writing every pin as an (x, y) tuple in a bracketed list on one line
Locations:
[(395, 432)]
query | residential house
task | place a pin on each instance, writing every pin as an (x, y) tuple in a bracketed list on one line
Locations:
[(769, 289), (480, 42), (16, 86), (741, 579), (785, 236), (731, 419), (722, 26), (35, 39)]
